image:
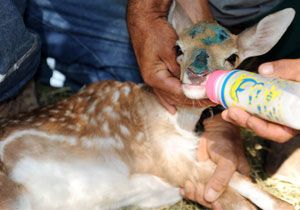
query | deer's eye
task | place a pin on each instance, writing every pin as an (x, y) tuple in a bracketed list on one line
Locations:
[(178, 50), (232, 59)]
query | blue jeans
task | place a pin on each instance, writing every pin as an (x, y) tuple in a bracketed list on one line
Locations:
[(87, 39), (19, 49)]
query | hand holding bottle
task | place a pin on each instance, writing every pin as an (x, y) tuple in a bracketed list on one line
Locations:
[(284, 69)]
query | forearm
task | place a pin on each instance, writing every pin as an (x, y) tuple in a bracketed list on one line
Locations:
[(145, 17), (197, 10), (147, 8)]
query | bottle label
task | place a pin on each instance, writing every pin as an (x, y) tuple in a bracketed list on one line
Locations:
[(259, 95)]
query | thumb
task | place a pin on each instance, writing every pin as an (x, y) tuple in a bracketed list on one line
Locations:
[(288, 69), (218, 182)]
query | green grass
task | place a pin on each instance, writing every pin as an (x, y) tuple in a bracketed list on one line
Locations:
[(254, 148)]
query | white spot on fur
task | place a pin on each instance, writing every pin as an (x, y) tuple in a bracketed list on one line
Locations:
[(29, 119), (115, 96), (91, 109), (85, 117), (126, 90), (71, 106), (126, 114), (105, 127), (38, 124), (109, 110), (52, 119), (139, 136), (102, 143), (90, 91), (93, 122), (71, 127), (107, 89), (124, 130), (70, 114), (62, 119), (79, 99)]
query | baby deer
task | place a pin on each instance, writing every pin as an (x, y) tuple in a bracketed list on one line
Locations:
[(114, 145)]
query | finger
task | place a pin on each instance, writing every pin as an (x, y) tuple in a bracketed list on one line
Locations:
[(169, 107), (236, 116), (216, 206), (199, 195), (220, 179), (225, 116), (189, 190), (168, 56), (271, 131), (172, 65), (167, 82), (286, 69), (195, 193), (202, 149), (259, 126)]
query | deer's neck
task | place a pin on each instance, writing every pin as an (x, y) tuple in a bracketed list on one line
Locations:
[(158, 117), (187, 117)]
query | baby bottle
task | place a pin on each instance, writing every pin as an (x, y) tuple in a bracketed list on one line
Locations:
[(272, 99)]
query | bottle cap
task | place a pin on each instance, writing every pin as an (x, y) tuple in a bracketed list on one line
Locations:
[(211, 85)]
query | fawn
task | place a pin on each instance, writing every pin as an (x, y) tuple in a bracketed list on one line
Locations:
[(114, 145)]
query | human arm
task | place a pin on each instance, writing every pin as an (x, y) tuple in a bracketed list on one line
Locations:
[(288, 69), (153, 40), (222, 144), (196, 10)]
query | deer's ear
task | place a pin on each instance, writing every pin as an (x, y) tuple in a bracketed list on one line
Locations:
[(262, 37), (178, 18)]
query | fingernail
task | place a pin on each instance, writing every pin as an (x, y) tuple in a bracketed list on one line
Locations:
[(211, 195), (266, 69), (225, 115)]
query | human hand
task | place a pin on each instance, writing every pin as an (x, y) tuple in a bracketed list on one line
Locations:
[(285, 69), (222, 144), (153, 40)]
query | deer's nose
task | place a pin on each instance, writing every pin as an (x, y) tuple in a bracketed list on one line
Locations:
[(196, 79)]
